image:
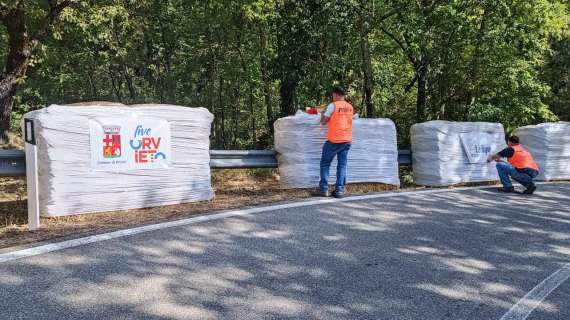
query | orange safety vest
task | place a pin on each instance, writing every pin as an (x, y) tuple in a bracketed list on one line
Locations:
[(340, 123), (522, 159)]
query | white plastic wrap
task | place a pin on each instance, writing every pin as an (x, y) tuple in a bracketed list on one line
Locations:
[(549, 144), (439, 155), (299, 140), (68, 185)]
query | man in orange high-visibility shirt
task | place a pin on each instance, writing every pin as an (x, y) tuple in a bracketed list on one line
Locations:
[(521, 166), (338, 116)]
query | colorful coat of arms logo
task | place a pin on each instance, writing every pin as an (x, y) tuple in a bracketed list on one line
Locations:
[(112, 142)]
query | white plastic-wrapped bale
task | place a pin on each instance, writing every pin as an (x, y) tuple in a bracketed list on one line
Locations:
[(549, 144), (100, 157), (299, 139), (446, 153)]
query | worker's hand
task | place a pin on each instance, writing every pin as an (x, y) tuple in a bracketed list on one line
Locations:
[(494, 157)]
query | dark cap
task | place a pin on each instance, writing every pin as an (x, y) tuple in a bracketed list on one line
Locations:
[(513, 139), (339, 90)]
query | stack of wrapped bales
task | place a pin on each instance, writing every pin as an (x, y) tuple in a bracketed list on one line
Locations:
[(549, 143), (446, 153), (95, 157), (299, 139)]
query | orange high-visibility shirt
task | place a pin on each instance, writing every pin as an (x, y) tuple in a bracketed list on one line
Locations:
[(522, 159), (340, 123)]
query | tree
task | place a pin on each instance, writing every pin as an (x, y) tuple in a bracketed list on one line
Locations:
[(556, 70), (413, 29), (19, 19), (364, 27), (556, 73), (293, 50), (497, 53), (252, 61), (475, 60)]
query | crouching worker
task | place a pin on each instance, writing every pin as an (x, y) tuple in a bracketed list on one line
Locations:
[(338, 117), (520, 166)]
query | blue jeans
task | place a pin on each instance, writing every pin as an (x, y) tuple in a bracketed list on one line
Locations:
[(524, 176), (330, 150)]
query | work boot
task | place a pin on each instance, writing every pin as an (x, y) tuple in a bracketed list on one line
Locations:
[(506, 189), (338, 195), (530, 189), (320, 193)]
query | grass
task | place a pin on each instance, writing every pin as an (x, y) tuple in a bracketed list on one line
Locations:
[(14, 141), (12, 203)]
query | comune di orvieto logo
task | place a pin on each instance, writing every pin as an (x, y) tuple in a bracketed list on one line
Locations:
[(112, 141)]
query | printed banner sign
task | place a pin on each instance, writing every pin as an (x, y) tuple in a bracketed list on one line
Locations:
[(129, 144), (479, 145)]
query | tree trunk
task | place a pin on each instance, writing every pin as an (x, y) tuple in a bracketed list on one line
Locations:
[(472, 85), (368, 80), (92, 85), (421, 99), (210, 89), (236, 131), (5, 117), (268, 106), (21, 46), (170, 82), (129, 81), (116, 83), (20, 51), (287, 91), (223, 118), (252, 111), (266, 77)]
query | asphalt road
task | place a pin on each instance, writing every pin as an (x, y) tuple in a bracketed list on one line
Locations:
[(468, 254)]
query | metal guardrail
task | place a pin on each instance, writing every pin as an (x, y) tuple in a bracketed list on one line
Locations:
[(404, 157), (240, 159), (13, 162)]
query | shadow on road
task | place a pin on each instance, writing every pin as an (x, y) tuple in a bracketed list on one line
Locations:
[(455, 255)]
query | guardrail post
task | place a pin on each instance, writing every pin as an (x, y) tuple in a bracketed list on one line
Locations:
[(32, 175)]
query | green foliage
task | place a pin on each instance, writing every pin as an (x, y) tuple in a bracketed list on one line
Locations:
[(556, 74), (250, 61)]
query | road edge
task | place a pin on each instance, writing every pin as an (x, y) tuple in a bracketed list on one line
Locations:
[(61, 245)]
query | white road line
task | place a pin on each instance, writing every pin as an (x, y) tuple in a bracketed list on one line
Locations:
[(34, 251), (534, 297)]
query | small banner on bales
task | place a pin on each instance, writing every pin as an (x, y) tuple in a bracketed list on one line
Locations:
[(129, 144), (478, 145)]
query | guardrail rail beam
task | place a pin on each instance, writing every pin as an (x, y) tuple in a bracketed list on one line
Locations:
[(13, 162)]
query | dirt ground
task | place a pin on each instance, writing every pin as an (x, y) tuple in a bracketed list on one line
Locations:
[(234, 189), (14, 142)]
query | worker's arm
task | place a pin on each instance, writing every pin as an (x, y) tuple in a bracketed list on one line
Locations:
[(494, 157), (326, 115), (505, 153)]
